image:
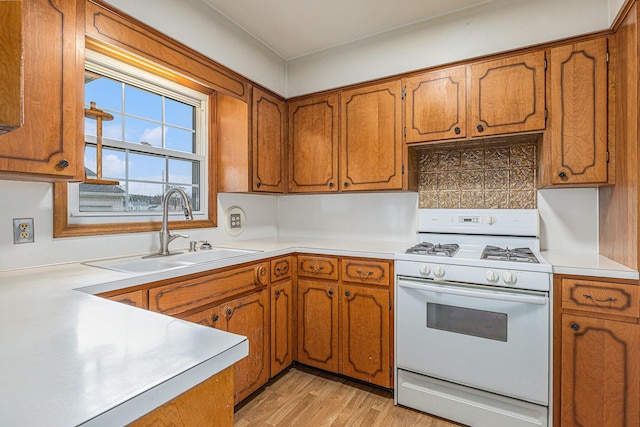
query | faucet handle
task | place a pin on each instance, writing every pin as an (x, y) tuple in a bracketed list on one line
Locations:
[(176, 235)]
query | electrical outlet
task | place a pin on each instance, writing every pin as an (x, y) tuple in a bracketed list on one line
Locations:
[(23, 231), (236, 221)]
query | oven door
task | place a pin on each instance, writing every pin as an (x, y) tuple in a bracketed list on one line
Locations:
[(488, 338)]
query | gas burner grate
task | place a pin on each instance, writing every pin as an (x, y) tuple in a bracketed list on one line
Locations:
[(506, 254), (426, 248)]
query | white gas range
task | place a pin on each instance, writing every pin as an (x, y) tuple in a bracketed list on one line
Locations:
[(473, 319)]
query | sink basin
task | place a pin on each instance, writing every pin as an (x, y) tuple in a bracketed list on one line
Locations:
[(152, 264)]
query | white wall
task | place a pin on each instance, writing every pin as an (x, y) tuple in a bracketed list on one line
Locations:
[(200, 27), (491, 27), (569, 219), (35, 200), (363, 216)]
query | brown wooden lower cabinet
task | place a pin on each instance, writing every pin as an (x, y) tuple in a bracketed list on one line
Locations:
[(318, 324), (364, 334), (600, 372), (281, 326), (248, 316), (210, 403), (345, 329)]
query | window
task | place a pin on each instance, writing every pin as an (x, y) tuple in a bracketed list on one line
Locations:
[(157, 139)]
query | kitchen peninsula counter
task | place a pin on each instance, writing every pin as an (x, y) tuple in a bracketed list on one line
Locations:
[(71, 358)]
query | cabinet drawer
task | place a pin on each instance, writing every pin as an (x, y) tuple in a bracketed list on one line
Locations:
[(318, 267), (365, 271), (191, 293), (280, 268), (600, 297), (133, 298)]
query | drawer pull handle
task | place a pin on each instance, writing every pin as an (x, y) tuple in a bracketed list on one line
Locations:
[(282, 270), (610, 299), (316, 268), (364, 274)]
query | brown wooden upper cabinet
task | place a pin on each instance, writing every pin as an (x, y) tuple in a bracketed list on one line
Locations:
[(268, 124), (371, 138), (49, 143), (507, 95), (435, 105), (502, 96), (313, 140), (578, 113), (11, 65), (251, 163)]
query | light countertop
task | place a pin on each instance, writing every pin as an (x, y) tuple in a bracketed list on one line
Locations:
[(70, 358), (588, 264)]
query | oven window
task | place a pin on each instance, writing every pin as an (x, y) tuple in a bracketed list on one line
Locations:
[(467, 321)]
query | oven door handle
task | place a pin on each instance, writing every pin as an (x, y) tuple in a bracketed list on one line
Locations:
[(492, 294)]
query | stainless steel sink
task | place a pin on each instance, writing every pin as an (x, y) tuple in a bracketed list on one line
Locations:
[(138, 264)]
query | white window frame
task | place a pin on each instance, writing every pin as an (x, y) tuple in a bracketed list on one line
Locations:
[(113, 68)]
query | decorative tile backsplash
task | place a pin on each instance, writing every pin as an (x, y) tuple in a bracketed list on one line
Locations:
[(487, 175)]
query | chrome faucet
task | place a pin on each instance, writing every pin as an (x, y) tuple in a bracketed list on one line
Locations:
[(165, 236)]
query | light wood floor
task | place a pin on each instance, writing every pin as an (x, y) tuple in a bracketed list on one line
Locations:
[(305, 397)]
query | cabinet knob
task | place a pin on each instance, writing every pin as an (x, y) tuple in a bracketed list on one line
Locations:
[(480, 128), (330, 292), (346, 184), (331, 185), (215, 318), (258, 184), (347, 294), (229, 311), (456, 130), (278, 293), (562, 175), (62, 164), (575, 326)]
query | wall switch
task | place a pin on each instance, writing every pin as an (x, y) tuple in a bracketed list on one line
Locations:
[(23, 231)]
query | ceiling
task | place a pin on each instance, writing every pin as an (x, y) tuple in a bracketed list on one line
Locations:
[(294, 28)]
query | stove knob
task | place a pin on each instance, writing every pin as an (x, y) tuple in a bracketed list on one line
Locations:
[(425, 269), (491, 276), (438, 271), (509, 278)]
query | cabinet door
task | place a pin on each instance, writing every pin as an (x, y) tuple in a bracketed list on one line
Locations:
[(211, 317), (364, 334), (11, 65), (371, 138), (281, 326), (435, 105), (268, 142), (600, 372), (50, 141), (318, 324), (579, 113), (313, 140), (249, 316), (507, 95)]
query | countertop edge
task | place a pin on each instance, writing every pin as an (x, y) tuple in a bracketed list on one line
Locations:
[(155, 397)]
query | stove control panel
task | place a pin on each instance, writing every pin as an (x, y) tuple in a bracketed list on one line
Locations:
[(534, 280)]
